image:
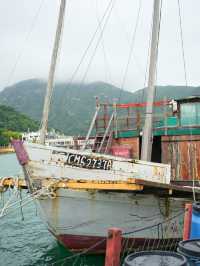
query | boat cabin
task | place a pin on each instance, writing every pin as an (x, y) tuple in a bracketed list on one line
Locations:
[(176, 134)]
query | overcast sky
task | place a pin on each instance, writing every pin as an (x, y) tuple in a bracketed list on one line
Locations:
[(27, 29)]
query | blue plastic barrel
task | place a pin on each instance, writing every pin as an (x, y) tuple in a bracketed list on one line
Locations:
[(195, 224), (155, 258), (191, 250)]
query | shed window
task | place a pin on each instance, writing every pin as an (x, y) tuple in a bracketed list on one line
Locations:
[(190, 114)]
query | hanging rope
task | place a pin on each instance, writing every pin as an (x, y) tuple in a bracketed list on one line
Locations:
[(182, 43), (11, 207)]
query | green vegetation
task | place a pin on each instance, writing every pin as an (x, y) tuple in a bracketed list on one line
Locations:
[(73, 105), (12, 123)]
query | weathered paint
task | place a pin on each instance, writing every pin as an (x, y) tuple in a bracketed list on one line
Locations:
[(132, 143), (183, 153), (97, 245), (80, 219), (121, 151), (136, 105), (83, 213), (113, 247), (51, 162), (21, 153), (92, 185), (187, 221), (129, 185)]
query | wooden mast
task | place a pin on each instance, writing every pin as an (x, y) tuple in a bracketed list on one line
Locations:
[(147, 137), (54, 57)]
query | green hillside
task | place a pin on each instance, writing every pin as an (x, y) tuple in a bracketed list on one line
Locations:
[(12, 123), (73, 105), (15, 121)]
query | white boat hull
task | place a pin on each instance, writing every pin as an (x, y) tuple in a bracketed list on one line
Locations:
[(52, 162), (80, 218)]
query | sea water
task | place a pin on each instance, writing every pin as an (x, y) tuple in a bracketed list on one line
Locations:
[(28, 242)]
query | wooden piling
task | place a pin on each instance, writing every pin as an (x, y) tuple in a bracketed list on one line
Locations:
[(113, 247), (187, 221)]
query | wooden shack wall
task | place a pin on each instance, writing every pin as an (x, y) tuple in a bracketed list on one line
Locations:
[(133, 143), (183, 153)]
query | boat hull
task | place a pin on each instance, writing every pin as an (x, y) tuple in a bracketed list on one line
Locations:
[(81, 219), (97, 245)]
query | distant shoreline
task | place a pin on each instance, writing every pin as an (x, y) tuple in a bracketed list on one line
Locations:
[(4, 150)]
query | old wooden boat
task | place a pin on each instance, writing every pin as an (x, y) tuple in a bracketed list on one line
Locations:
[(111, 187)]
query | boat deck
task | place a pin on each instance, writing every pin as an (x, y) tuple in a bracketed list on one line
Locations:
[(132, 185)]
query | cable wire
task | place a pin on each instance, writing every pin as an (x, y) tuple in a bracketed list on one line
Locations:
[(90, 43), (131, 49), (155, 225), (106, 63), (98, 42), (182, 43), (20, 54)]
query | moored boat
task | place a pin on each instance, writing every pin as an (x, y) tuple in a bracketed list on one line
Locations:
[(98, 190)]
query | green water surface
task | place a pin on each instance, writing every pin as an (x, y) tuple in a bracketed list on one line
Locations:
[(28, 242)]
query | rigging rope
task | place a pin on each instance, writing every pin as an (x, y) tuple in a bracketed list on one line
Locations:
[(98, 42), (131, 49), (191, 150), (81, 253), (90, 43), (20, 54), (155, 225), (85, 53), (108, 78), (44, 192), (126, 34), (182, 43)]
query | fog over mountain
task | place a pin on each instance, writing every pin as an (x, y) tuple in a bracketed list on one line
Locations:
[(73, 105), (28, 28)]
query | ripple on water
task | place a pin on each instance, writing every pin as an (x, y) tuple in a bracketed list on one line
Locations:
[(28, 242)]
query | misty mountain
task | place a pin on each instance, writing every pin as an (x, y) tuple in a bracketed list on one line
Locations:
[(73, 105)]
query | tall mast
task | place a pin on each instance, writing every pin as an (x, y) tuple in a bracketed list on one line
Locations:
[(50, 82), (147, 138)]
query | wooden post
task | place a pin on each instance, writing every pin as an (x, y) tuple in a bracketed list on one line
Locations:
[(113, 247), (187, 221)]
